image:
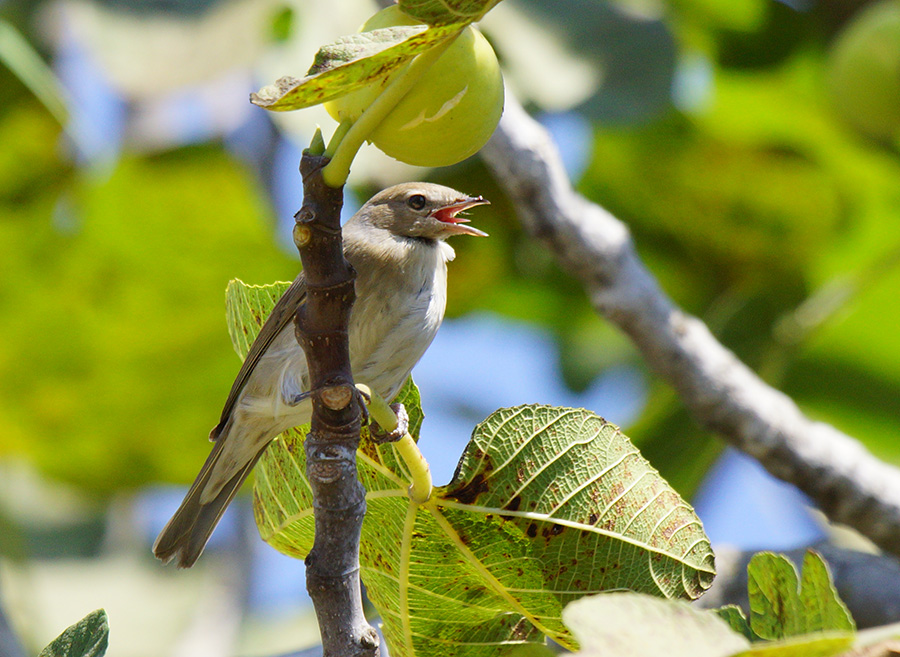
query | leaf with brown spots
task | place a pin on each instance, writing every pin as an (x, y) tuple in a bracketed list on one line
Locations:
[(351, 63), (547, 505), (784, 605), (440, 12), (577, 489)]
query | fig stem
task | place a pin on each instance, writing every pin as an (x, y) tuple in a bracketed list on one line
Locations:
[(348, 144), (420, 486), (337, 137)]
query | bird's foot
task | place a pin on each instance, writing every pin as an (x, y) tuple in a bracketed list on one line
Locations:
[(380, 436), (299, 398), (362, 397)]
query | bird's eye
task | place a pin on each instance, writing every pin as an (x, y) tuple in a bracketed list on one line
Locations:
[(416, 201)]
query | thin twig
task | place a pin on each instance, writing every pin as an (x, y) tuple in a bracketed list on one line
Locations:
[(845, 481)]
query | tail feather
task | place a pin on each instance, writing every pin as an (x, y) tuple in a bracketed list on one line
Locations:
[(186, 534)]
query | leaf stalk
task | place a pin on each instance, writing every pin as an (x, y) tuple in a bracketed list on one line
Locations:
[(421, 485), (346, 142)]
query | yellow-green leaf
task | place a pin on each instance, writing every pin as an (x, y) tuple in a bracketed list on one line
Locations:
[(820, 644), (350, 63), (781, 606), (546, 506), (441, 12), (246, 309)]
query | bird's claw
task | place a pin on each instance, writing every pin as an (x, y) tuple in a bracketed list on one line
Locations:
[(363, 400), (296, 400), (380, 436)]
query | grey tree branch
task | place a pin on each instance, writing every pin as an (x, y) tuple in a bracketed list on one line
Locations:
[(845, 481)]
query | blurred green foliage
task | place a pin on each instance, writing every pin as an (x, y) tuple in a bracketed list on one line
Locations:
[(114, 360), (754, 204), (749, 202)]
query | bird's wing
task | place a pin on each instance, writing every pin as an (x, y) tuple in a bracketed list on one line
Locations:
[(281, 315)]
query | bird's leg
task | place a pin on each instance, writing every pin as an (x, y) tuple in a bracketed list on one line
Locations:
[(380, 436)]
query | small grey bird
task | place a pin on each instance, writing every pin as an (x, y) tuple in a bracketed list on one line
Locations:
[(396, 244)]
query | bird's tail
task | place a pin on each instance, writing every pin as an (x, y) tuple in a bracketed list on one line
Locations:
[(185, 535)]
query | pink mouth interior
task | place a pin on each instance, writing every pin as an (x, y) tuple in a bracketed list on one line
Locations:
[(450, 213)]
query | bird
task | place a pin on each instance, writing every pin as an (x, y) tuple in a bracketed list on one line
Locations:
[(396, 243)]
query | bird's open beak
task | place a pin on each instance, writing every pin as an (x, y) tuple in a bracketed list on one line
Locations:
[(456, 224)]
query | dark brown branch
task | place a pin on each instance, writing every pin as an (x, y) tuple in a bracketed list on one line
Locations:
[(339, 502), (847, 482)]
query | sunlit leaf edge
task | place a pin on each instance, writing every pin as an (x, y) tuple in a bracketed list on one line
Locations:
[(442, 12), (335, 78)]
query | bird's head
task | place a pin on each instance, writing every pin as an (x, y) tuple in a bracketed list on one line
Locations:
[(422, 210)]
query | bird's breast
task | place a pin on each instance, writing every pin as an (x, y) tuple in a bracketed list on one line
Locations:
[(396, 316)]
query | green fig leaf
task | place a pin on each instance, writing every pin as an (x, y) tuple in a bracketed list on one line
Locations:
[(350, 63), (823, 608), (89, 637), (246, 309), (820, 644), (546, 505), (782, 605), (773, 587), (501, 565), (442, 12), (361, 45), (734, 616)]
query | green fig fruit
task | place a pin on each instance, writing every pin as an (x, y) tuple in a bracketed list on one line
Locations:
[(451, 111), (864, 71)]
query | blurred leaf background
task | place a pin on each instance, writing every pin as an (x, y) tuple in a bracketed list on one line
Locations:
[(724, 132)]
